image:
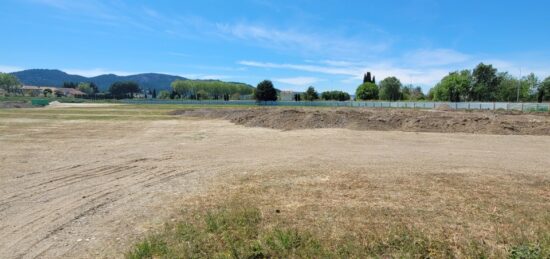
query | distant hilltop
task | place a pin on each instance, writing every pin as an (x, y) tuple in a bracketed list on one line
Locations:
[(56, 78)]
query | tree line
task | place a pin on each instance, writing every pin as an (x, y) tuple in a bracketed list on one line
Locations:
[(206, 89), (389, 89), (484, 83)]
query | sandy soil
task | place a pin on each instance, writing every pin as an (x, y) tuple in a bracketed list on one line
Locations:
[(88, 189), (478, 122), (7, 105)]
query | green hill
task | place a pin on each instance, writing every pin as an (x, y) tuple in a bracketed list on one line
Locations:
[(53, 77)]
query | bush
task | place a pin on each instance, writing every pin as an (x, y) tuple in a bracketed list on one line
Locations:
[(335, 96), (367, 91)]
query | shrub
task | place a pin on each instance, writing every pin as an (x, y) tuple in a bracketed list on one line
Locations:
[(335, 96), (525, 252), (367, 91)]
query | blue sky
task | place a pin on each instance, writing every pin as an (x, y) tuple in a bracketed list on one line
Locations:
[(328, 44)]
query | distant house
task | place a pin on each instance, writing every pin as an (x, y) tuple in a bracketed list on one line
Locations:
[(30, 90), (71, 92)]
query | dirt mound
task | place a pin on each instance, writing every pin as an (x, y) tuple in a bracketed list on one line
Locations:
[(6, 105), (482, 122), (444, 107)]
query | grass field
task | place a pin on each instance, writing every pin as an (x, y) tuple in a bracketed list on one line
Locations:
[(134, 181)]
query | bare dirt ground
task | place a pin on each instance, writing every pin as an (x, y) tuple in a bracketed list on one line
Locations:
[(6, 105), (89, 188), (57, 104), (479, 122)]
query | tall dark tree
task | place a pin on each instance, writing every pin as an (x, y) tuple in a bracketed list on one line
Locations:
[(374, 80), (544, 90), (311, 94), (154, 94), (367, 78), (70, 85), (124, 89), (486, 83), (94, 87), (265, 91)]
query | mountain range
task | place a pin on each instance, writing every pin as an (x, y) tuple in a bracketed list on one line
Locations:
[(54, 77)]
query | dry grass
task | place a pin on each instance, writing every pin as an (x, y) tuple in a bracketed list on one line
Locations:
[(359, 214)]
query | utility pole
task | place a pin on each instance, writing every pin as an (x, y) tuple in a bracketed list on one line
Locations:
[(519, 85)]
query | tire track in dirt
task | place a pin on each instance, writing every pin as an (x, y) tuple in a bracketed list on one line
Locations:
[(86, 201), (65, 181)]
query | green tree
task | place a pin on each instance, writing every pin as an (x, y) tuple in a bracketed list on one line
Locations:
[(368, 78), (311, 94), (202, 95), (412, 93), (9, 83), (532, 81), (70, 85), (164, 94), (454, 87), (485, 83), (124, 89), (544, 90), (94, 87), (47, 92), (367, 91), (85, 88), (335, 95), (390, 89), (265, 91), (210, 89), (510, 87), (183, 87)]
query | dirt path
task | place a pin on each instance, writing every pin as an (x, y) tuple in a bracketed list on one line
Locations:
[(79, 189)]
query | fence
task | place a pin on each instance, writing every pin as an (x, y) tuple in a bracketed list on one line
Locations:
[(531, 107)]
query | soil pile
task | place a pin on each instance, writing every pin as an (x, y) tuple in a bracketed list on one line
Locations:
[(479, 122)]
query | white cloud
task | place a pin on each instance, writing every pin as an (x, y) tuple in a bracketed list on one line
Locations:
[(354, 72), (298, 81), (350, 71), (435, 57), (111, 13), (301, 41)]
